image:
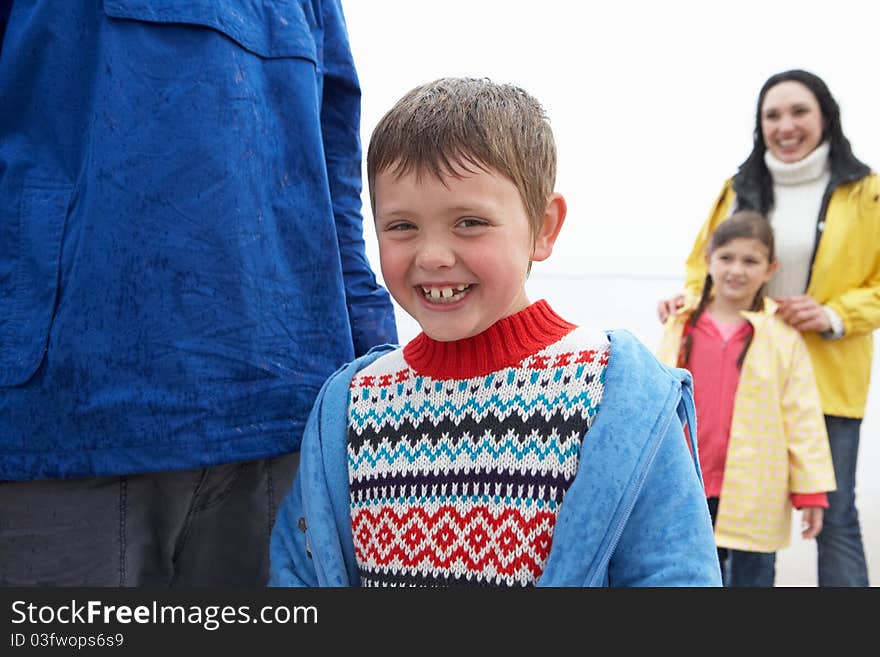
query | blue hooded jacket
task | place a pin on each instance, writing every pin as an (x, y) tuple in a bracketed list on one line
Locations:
[(181, 253), (635, 514)]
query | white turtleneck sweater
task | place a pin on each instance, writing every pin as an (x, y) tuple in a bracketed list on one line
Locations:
[(798, 188), (797, 192)]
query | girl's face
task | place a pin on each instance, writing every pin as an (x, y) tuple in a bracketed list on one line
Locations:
[(791, 121), (739, 268)]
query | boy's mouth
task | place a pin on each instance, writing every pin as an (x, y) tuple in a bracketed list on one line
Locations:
[(444, 294)]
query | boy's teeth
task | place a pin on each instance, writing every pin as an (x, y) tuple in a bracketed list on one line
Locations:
[(443, 293)]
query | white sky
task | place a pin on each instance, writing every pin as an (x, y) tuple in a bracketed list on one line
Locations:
[(652, 103)]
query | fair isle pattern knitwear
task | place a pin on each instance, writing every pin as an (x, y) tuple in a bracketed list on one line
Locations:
[(460, 453)]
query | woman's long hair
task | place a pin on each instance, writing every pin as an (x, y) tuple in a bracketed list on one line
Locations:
[(743, 224), (754, 185)]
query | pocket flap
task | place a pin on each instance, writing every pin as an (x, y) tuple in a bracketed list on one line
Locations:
[(28, 300), (268, 29)]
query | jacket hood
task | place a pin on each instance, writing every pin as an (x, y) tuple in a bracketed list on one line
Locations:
[(769, 309)]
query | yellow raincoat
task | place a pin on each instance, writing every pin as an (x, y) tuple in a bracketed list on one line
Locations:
[(778, 442)]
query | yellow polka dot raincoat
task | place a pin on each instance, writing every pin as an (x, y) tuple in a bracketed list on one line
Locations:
[(778, 442)]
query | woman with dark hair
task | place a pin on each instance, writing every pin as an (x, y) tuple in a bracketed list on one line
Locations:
[(824, 205)]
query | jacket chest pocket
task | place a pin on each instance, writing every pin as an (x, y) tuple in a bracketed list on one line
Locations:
[(269, 29), (30, 254)]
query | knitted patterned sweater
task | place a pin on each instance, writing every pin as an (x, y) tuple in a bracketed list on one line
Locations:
[(460, 453)]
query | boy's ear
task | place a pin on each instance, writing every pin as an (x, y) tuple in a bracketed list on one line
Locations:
[(554, 217)]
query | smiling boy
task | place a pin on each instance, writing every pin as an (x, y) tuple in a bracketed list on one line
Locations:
[(503, 446)]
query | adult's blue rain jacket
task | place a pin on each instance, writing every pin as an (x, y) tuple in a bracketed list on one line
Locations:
[(181, 256)]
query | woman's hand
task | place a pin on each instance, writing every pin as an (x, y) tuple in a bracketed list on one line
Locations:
[(811, 521), (803, 313), (668, 306)]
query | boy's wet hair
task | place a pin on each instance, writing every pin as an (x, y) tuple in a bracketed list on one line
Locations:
[(744, 224), (455, 125)]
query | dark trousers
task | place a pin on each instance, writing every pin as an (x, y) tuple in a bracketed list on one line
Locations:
[(203, 527), (741, 568), (841, 555)]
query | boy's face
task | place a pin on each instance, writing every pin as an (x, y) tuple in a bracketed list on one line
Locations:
[(454, 252)]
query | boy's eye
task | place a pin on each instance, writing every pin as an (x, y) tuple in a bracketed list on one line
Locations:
[(400, 225), (472, 222)]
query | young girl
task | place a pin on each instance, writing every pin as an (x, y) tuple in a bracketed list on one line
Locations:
[(763, 445)]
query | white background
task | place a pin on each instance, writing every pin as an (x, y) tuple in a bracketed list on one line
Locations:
[(653, 106)]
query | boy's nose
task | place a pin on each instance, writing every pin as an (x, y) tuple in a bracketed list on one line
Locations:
[(435, 255)]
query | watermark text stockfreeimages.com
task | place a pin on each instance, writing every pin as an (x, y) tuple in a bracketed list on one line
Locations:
[(210, 617)]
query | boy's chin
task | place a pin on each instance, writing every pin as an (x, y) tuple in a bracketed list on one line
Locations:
[(450, 333), (447, 336)]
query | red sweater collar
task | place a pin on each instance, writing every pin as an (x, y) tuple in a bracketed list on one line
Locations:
[(504, 344)]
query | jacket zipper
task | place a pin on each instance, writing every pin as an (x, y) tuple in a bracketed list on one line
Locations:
[(618, 531)]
